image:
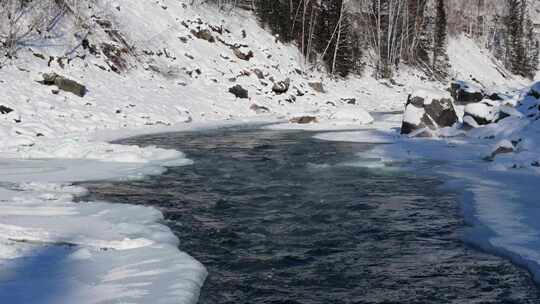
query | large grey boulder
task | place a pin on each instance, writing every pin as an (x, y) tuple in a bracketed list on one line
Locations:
[(239, 92), (64, 84), (465, 93), (426, 111)]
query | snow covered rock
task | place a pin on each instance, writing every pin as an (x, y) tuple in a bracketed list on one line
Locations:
[(486, 112), (243, 53), (239, 91), (204, 34), (428, 109), (464, 93), (281, 87), (64, 84)]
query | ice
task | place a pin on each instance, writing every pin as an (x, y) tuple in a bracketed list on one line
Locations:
[(365, 136), (501, 206), (56, 250)]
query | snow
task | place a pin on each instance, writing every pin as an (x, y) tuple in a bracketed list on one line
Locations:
[(352, 113), (413, 115), (499, 191), (475, 64), (56, 250), (481, 110), (107, 252), (430, 94)]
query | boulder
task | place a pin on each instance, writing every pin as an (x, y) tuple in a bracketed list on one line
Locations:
[(482, 113), (204, 34), (243, 53), (465, 93), (64, 84), (428, 109), (281, 87), (5, 110), (304, 119), (239, 91), (317, 86)]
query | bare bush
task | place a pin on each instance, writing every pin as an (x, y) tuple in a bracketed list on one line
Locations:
[(24, 21)]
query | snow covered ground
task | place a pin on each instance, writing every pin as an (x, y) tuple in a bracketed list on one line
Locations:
[(95, 252)]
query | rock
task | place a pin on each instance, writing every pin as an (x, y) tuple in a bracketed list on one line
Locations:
[(64, 84), (5, 110), (317, 86), (465, 93), (535, 91), (351, 101), (495, 97), (304, 119), (482, 113), (204, 34), (299, 93), (259, 109), (115, 57), (258, 73), (291, 99), (426, 109), (239, 92), (243, 53), (281, 87)]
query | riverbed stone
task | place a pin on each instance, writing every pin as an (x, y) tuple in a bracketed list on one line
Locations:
[(64, 84), (465, 92), (428, 110)]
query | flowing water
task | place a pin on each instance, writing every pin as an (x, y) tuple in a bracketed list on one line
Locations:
[(280, 217)]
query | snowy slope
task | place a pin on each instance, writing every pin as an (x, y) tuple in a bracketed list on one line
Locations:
[(469, 61)]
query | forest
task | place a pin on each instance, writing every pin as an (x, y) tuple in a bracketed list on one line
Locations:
[(342, 36)]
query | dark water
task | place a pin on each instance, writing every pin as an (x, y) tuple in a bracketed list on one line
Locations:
[(277, 217)]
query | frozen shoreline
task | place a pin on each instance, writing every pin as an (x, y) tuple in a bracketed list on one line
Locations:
[(106, 252), (92, 252), (500, 206)]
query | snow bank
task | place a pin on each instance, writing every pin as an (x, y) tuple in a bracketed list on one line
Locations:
[(102, 252)]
